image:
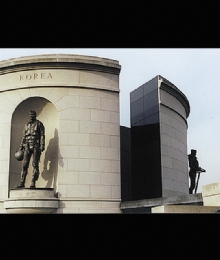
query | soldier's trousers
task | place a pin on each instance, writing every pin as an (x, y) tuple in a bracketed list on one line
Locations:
[(35, 153), (192, 175)]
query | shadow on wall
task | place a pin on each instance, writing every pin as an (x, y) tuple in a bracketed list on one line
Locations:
[(50, 166)]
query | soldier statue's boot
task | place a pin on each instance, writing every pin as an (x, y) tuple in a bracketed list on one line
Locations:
[(23, 177), (33, 183), (35, 177), (21, 185)]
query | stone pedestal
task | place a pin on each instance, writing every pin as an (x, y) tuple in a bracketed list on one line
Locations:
[(38, 200)]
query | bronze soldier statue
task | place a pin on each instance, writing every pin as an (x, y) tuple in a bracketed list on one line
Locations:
[(194, 168), (32, 144)]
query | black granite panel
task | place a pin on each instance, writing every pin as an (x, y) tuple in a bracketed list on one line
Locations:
[(125, 138), (137, 111), (125, 165), (151, 111), (146, 162), (137, 94), (139, 123), (151, 85), (125, 142), (154, 119), (141, 210), (151, 100)]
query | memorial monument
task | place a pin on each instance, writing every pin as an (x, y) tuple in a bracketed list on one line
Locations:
[(82, 160)]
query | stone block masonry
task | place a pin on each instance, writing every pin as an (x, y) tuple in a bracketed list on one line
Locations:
[(77, 99)]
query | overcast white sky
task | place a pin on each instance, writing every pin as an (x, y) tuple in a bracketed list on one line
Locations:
[(196, 72)]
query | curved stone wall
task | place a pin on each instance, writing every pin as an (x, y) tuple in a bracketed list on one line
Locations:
[(159, 112), (174, 111), (77, 99)]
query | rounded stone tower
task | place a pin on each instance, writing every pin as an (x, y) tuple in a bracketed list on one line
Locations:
[(159, 112), (77, 99)]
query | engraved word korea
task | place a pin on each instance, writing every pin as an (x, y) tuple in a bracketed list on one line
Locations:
[(36, 76)]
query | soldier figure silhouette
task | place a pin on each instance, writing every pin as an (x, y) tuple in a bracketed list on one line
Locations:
[(194, 168)]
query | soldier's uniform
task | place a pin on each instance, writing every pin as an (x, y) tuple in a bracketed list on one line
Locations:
[(194, 167), (33, 143)]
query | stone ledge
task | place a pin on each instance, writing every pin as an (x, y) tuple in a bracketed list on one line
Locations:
[(184, 209), (183, 199)]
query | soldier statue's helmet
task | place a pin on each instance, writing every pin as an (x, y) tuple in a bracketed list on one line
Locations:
[(32, 112), (19, 155), (193, 151)]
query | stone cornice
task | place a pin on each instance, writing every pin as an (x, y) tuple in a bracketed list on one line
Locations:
[(174, 91), (61, 61)]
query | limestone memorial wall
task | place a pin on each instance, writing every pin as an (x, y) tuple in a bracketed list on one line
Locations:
[(77, 99)]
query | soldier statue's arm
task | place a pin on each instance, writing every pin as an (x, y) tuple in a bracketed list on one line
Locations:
[(23, 141), (194, 168), (194, 164)]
